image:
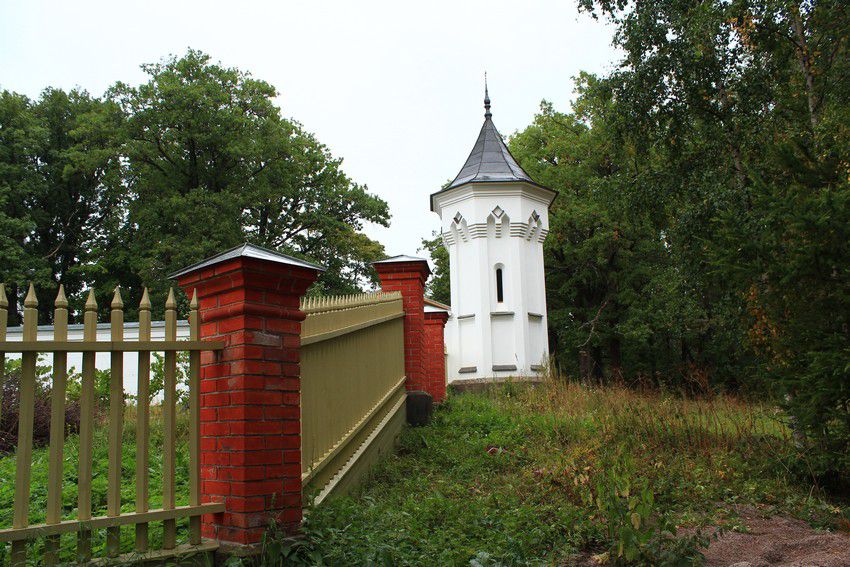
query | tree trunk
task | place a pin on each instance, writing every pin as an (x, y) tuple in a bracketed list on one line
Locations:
[(733, 137), (805, 59), (598, 367), (584, 366), (614, 351), (194, 177), (264, 223)]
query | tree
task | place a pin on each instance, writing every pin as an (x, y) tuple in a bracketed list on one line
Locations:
[(212, 164), (617, 306), (20, 136), (740, 111), (439, 285), (60, 183)]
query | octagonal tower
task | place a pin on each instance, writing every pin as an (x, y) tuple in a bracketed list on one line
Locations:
[(494, 221)]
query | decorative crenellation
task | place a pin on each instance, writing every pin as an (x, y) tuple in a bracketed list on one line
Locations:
[(332, 313), (325, 303), (517, 230)]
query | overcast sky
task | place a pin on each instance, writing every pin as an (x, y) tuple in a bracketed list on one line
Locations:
[(393, 87)]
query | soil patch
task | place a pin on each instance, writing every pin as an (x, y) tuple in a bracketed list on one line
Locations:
[(778, 541)]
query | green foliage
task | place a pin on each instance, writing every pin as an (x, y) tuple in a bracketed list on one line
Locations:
[(213, 163), (38, 494), (157, 382), (538, 477), (635, 534), (125, 189), (439, 284), (700, 240), (619, 304), (60, 177)]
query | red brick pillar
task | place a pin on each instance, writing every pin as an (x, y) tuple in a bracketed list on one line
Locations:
[(408, 274), (250, 391), (435, 357)]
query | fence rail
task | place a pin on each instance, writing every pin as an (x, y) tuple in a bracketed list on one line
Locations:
[(54, 525), (352, 385)]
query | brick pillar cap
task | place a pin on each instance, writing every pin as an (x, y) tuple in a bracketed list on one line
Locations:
[(247, 251), (436, 315), (400, 263)]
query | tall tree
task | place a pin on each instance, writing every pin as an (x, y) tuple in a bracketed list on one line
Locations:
[(439, 284), (61, 183), (740, 108), (212, 163), (618, 308), (20, 139)]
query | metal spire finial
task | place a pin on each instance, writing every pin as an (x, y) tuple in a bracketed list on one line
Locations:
[(487, 113)]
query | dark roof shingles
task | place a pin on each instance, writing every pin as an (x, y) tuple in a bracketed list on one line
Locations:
[(489, 160)]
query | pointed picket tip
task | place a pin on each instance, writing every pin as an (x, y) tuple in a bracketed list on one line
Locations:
[(91, 302), (61, 301), (193, 304), (145, 303), (30, 300), (117, 302), (171, 303), (4, 302)]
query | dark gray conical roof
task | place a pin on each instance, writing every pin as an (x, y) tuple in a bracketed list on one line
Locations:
[(490, 160)]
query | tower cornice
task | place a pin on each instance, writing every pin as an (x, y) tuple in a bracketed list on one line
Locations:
[(466, 191)]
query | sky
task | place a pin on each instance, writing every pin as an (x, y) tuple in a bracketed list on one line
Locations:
[(395, 88)]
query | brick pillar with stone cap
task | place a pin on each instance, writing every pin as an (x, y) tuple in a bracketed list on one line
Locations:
[(250, 412), (436, 315), (408, 274)]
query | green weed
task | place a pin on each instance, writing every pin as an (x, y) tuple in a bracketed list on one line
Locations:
[(554, 474)]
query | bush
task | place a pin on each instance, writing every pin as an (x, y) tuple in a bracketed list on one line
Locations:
[(10, 404), (10, 401), (637, 532)]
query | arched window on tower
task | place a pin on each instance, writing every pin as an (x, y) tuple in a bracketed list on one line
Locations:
[(500, 287)]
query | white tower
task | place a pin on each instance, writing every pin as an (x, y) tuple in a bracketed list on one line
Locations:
[(494, 222)]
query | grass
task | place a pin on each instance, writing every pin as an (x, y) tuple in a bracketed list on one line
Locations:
[(542, 475), (517, 476), (38, 489)]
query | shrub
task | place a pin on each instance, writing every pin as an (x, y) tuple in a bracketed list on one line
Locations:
[(41, 417), (10, 405), (637, 532)]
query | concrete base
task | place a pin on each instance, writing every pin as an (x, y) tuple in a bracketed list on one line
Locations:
[(483, 384)]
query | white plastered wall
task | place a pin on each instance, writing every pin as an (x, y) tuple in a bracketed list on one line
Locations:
[(486, 225)]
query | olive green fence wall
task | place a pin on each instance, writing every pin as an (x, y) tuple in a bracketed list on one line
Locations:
[(352, 386)]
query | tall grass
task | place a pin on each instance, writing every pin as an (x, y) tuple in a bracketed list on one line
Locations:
[(660, 420), (555, 473), (517, 475)]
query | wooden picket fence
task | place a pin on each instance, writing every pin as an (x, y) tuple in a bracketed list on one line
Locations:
[(85, 523), (352, 409), (352, 386)]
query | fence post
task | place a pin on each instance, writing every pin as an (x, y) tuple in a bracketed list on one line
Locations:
[(408, 274), (250, 391), (435, 359)]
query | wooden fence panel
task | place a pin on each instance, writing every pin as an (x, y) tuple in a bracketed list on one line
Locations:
[(169, 410), (143, 422), (83, 525), (26, 409), (86, 430), (116, 426), (57, 428), (194, 420)]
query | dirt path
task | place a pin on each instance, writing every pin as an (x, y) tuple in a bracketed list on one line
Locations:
[(778, 541)]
